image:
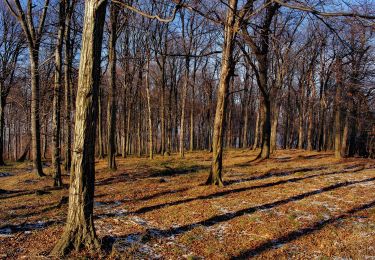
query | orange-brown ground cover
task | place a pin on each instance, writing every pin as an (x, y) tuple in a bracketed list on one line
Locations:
[(303, 205)]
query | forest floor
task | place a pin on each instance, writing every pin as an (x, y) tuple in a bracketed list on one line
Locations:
[(303, 205)]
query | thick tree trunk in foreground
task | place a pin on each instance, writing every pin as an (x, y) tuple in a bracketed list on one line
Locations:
[(111, 115), (79, 230), (56, 123), (227, 64)]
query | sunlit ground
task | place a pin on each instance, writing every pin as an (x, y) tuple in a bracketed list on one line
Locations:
[(304, 205)]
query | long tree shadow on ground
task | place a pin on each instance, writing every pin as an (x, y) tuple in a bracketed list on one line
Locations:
[(159, 233), (167, 172), (276, 173), (299, 233), (227, 192), (171, 172)]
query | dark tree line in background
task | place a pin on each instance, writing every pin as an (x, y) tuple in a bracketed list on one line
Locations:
[(162, 77)]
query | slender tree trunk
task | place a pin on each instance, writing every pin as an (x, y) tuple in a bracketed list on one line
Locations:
[(128, 144), (111, 114), (246, 109), (139, 123), (311, 116), (192, 107), (56, 125), (162, 116), (321, 119), (150, 134), (337, 105), (266, 137), (345, 134), (227, 66), (301, 118), (68, 88), (2, 126), (275, 123), (256, 135), (124, 119), (79, 230), (183, 98), (100, 125)]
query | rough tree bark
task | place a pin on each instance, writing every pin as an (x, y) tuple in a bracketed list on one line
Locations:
[(68, 60), (79, 230), (261, 51), (227, 66), (56, 118)]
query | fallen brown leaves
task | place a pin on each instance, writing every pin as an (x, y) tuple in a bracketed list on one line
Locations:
[(297, 205)]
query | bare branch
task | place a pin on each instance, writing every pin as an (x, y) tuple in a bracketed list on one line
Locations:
[(156, 17), (327, 14)]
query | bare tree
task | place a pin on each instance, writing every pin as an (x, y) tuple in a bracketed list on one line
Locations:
[(33, 36), (57, 93), (11, 44), (79, 229)]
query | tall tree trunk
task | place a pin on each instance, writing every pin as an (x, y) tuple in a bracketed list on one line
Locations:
[(266, 136), (275, 123), (320, 145), (79, 230), (183, 98), (100, 125), (345, 134), (124, 119), (192, 107), (111, 114), (139, 123), (246, 109), (2, 126), (301, 117), (68, 53), (150, 134), (337, 105), (162, 108), (56, 120), (310, 136), (227, 66), (35, 115), (256, 134)]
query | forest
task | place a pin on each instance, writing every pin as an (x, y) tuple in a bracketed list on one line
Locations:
[(187, 129)]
